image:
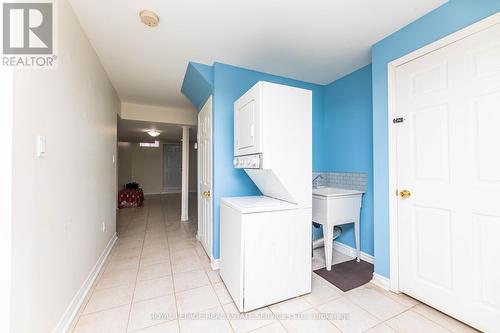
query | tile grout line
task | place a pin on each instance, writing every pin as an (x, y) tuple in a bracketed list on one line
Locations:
[(421, 315), (137, 274), (84, 305), (426, 317), (172, 232), (280, 321), (384, 321), (172, 271), (218, 299), (211, 284)]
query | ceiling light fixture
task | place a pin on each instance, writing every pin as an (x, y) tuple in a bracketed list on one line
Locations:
[(149, 18), (154, 133)]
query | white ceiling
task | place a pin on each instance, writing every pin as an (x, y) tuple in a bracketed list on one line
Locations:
[(135, 131), (314, 40)]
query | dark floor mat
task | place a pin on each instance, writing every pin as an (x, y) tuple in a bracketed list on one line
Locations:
[(348, 275)]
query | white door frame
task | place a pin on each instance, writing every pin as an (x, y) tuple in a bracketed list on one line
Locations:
[(392, 113), (198, 168)]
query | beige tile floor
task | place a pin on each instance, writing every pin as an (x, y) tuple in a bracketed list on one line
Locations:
[(158, 279)]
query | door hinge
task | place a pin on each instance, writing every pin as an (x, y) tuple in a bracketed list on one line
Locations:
[(398, 120)]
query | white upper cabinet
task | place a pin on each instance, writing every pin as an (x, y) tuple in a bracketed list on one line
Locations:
[(247, 120), (275, 121)]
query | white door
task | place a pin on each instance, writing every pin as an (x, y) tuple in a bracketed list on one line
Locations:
[(448, 158), (172, 168), (205, 177)]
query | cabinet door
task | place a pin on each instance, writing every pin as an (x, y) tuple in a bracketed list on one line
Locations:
[(231, 252), (246, 123), (277, 256)]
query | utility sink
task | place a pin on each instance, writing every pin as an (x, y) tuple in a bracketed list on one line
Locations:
[(333, 206), (333, 192)]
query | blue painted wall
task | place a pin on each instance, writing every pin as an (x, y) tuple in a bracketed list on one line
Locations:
[(229, 84), (197, 85), (347, 144), (450, 17), (342, 127)]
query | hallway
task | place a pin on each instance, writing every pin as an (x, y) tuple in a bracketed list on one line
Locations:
[(153, 247), (158, 279)]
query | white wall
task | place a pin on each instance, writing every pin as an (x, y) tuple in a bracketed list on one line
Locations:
[(59, 201), (161, 114), (124, 163), (147, 168), (144, 165), (6, 114)]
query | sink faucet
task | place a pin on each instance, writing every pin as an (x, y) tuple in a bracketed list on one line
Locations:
[(315, 185)]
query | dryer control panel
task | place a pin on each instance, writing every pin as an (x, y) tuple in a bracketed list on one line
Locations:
[(253, 161)]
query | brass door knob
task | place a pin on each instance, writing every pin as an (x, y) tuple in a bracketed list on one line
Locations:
[(206, 194), (405, 194)]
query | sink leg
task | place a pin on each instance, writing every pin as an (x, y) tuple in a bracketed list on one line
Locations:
[(356, 236), (328, 239)]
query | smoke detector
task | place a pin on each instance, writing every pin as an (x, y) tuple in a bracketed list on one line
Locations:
[(149, 18)]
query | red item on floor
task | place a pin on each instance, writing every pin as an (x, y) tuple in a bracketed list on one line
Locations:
[(130, 198)]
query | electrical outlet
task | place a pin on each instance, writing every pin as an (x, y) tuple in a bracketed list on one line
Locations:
[(103, 226)]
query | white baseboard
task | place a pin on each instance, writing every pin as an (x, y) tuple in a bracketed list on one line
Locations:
[(351, 252), (72, 310), (215, 263), (381, 281), (167, 192), (154, 193), (172, 190)]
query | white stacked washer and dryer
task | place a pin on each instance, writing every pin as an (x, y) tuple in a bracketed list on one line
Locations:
[(265, 241)]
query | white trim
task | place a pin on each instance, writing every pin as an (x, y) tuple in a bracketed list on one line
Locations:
[(391, 113), (155, 193), (77, 301), (208, 102), (393, 185), (351, 252), (450, 39), (164, 192), (215, 263), (381, 281), (185, 175)]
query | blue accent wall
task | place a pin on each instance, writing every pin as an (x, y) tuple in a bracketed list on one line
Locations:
[(229, 84), (445, 20), (347, 145), (198, 84), (342, 133)]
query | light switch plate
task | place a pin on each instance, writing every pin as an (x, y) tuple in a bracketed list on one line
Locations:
[(40, 146)]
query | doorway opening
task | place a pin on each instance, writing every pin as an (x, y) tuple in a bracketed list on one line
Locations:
[(172, 168)]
